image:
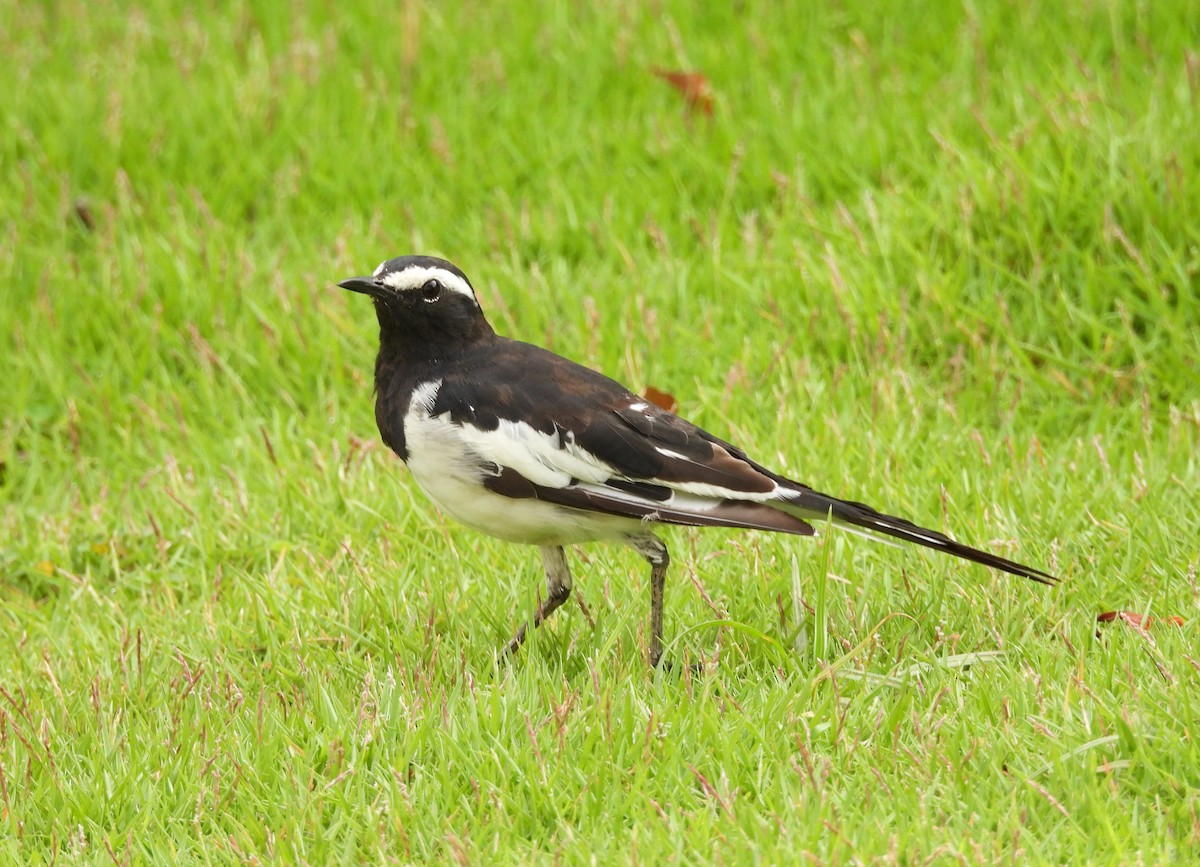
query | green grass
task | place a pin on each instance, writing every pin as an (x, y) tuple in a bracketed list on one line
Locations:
[(944, 260)]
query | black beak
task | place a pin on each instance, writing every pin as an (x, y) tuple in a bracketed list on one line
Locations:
[(365, 285)]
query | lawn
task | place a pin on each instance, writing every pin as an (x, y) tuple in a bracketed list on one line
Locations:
[(942, 259)]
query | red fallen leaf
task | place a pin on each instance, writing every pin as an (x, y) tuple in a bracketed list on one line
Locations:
[(693, 86), (1136, 620), (661, 399)]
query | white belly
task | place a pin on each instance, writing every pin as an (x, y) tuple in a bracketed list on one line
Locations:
[(448, 469)]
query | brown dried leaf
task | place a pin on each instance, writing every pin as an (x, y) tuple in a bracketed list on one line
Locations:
[(82, 209), (661, 399), (1136, 620), (692, 86)]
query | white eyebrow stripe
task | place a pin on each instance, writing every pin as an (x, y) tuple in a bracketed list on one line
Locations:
[(415, 277)]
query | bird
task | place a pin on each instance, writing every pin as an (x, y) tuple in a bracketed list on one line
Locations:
[(530, 447)]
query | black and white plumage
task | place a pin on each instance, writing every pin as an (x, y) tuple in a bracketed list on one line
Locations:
[(524, 445)]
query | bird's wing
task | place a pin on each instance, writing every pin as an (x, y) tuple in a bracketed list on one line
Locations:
[(563, 433), (559, 432)]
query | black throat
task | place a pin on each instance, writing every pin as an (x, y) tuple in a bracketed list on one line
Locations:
[(413, 352)]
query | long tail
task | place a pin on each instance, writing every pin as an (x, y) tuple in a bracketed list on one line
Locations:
[(810, 504)]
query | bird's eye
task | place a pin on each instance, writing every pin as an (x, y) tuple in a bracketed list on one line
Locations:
[(431, 290)]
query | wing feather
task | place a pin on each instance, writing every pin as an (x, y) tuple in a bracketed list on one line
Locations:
[(584, 441)]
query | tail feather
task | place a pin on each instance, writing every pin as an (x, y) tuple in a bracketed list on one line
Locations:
[(812, 504)]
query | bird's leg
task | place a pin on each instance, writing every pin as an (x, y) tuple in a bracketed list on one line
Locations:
[(558, 588), (655, 553)]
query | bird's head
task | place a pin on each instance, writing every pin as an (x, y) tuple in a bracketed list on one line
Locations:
[(422, 298)]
